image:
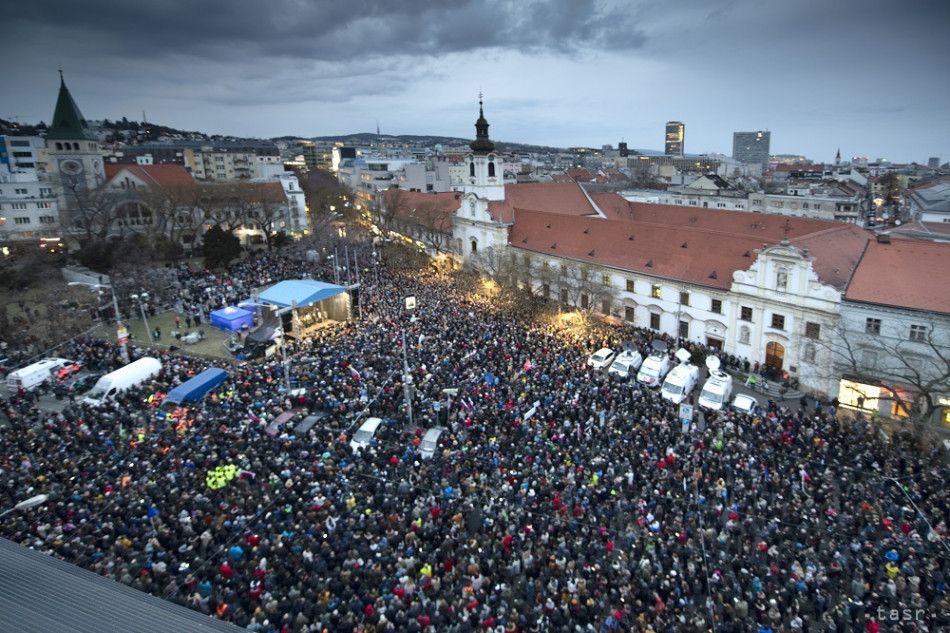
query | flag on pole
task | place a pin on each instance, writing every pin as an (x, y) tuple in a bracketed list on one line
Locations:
[(355, 374)]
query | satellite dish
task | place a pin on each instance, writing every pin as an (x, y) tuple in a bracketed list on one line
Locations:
[(659, 346), (712, 363), (682, 355), (897, 222)]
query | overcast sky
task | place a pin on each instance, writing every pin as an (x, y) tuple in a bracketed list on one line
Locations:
[(869, 76)]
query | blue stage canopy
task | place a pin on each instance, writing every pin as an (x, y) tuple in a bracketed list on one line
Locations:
[(232, 319), (299, 293)]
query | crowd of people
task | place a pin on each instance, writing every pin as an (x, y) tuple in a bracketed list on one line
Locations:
[(560, 498)]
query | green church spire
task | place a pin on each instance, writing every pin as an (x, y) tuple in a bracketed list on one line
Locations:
[(68, 123)]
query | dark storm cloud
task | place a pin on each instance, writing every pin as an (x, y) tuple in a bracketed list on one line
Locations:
[(327, 31)]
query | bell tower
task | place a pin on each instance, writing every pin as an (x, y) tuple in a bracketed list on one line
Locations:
[(74, 158), (486, 177)]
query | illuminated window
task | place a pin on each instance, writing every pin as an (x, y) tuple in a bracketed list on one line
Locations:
[(630, 285), (655, 291), (684, 298), (605, 280)]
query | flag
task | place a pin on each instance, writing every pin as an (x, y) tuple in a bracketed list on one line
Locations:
[(527, 365), (489, 378), (355, 374), (152, 511)]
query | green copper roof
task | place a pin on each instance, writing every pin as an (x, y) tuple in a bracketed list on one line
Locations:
[(68, 122)]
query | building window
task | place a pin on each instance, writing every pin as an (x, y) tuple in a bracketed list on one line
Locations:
[(629, 314), (605, 280), (546, 266), (654, 320), (918, 333), (869, 358), (585, 275), (808, 354), (564, 296), (684, 329), (630, 285), (605, 306), (655, 291), (781, 280), (471, 170), (21, 192), (778, 321), (474, 246), (585, 301), (545, 291), (744, 334), (716, 306), (745, 313), (812, 330), (684, 298), (47, 219), (491, 169), (18, 206), (21, 220), (872, 326), (564, 270)]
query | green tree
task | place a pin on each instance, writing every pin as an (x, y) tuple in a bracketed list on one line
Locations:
[(220, 247)]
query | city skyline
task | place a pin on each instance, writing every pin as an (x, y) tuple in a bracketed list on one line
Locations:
[(818, 77)]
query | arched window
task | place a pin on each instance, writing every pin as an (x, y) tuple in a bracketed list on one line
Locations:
[(76, 146), (474, 245), (59, 146), (471, 169), (491, 169)]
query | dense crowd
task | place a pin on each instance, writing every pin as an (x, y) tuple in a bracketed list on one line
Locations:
[(596, 512)]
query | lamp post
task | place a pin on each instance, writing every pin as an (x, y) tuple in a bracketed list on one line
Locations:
[(141, 299), (123, 348), (26, 504)]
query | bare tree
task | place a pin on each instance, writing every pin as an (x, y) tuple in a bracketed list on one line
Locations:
[(912, 373), (92, 212), (435, 224)]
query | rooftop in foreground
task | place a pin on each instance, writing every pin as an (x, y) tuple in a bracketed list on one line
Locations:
[(42, 593)]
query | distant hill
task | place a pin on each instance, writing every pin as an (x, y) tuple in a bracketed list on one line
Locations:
[(365, 138)]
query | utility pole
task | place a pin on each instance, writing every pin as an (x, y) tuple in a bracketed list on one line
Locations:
[(407, 380)]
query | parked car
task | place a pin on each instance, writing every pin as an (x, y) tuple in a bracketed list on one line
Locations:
[(363, 436), (601, 359), (430, 442), (744, 403), (82, 384)]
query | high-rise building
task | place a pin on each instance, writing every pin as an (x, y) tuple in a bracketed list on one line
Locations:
[(622, 148), (751, 147), (933, 162), (675, 134)]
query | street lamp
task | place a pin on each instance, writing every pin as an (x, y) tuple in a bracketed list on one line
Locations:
[(26, 504), (141, 299), (123, 349)]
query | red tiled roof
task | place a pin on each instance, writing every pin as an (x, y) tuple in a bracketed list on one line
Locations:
[(431, 210), (161, 175), (906, 273), (563, 198), (699, 246)]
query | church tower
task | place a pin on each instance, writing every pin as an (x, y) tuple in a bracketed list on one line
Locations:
[(486, 178), (74, 158)]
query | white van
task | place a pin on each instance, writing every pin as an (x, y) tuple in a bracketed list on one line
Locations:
[(364, 435), (718, 388), (626, 363), (32, 376), (133, 374), (654, 369), (681, 380)]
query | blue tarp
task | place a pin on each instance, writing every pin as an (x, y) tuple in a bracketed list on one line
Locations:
[(232, 319), (197, 387), (299, 293)]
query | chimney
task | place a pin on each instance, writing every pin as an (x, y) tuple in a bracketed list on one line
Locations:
[(883, 238)]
